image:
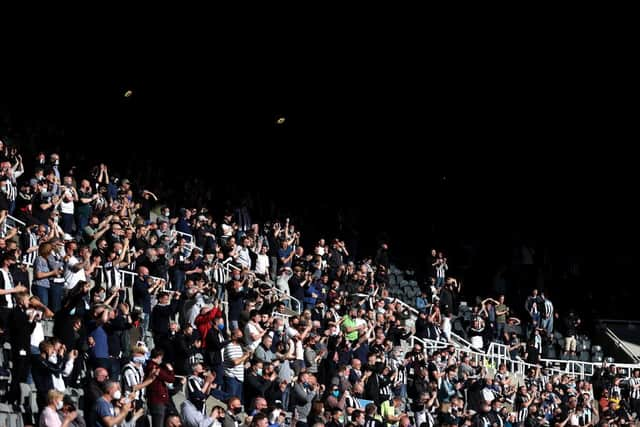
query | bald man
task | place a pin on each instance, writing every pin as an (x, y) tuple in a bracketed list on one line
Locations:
[(94, 391)]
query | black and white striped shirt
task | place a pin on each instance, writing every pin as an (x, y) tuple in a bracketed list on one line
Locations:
[(195, 394), (523, 411), (11, 190), (398, 366), (110, 275), (386, 390), (537, 343), (586, 417), (483, 421), (548, 308), (634, 387), (30, 258), (219, 275), (352, 402), (426, 417), (131, 376)]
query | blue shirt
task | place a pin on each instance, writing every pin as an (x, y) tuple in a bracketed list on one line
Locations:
[(421, 303), (101, 349), (183, 226), (308, 294), (103, 409), (284, 253), (42, 266)]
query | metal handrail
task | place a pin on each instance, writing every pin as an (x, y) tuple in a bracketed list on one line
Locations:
[(288, 296), (464, 342), (5, 225), (191, 241), (227, 264), (618, 342), (499, 353)]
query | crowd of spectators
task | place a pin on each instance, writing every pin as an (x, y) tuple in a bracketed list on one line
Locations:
[(151, 307)]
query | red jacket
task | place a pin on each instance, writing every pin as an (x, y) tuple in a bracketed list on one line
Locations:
[(204, 323), (157, 392)]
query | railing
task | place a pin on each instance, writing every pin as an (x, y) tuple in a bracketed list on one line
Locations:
[(427, 344), (497, 354), (10, 222), (577, 368), (285, 317), (127, 278), (285, 296), (619, 343), (457, 339), (191, 241)]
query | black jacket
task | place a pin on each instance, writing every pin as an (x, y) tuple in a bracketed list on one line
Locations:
[(216, 341), (21, 330)]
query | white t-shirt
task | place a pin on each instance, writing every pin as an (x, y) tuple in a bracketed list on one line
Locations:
[(249, 330), (243, 257), (299, 350), (227, 230), (262, 264), (70, 277), (67, 207), (37, 336), (446, 327)]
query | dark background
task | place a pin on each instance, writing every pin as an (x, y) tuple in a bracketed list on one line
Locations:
[(478, 147)]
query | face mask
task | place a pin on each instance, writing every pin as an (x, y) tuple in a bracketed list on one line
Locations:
[(280, 328), (139, 359), (221, 326), (117, 395), (336, 393), (59, 405), (237, 410), (337, 307), (259, 372), (53, 358)]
